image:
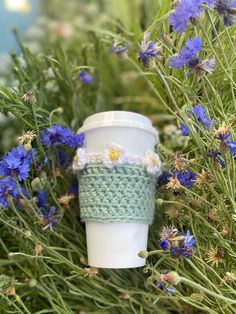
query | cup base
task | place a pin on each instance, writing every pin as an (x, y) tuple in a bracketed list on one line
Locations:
[(116, 244)]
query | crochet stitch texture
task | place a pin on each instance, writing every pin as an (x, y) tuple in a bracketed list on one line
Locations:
[(125, 193)]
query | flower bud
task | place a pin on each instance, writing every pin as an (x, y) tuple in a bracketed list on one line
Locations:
[(143, 254)]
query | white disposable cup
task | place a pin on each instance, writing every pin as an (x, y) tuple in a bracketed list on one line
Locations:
[(117, 244)]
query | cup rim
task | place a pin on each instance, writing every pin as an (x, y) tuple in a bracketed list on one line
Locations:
[(119, 118)]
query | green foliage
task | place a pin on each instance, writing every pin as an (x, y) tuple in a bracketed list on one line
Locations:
[(58, 280)]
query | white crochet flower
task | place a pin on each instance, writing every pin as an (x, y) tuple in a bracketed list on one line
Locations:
[(80, 159), (114, 155), (152, 163)]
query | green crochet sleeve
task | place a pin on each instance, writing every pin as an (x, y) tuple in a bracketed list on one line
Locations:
[(125, 193)]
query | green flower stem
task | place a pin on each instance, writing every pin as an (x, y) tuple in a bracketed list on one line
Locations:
[(208, 292)]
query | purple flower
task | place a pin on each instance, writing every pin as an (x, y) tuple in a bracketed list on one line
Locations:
[(222, 133), (184, 130), (85, 77), (16, 163), (186, 252), (175, 252), (188, 58), (163, 286), (185, 10), (189, 239), (74, 188), (210, 3), (215, 154), (231, 146), (42, 200), (163, 178), (8, 188), (164, 244), (57, 135), (119, 50), (184, 248), (227, 9), (187, 53), (187, 248), (202, 117), (149, 50), (186, 178), (49, 218), (198, 112)]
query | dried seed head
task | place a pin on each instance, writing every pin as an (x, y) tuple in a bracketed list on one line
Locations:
[(91, 271), (124, 295), (174, 212), (215, 256), (65, 199), (29, 97), (11, 291), (173, 184), (225, 230), (204, 178), (38, 249), (213, 214), (179, 162), (27, 137), (195, 202)]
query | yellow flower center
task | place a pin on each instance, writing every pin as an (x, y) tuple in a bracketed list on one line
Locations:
[(76, 159), (153, 161), (114, 154)]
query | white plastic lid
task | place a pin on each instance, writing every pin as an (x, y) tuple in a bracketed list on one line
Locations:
[(118, 118)]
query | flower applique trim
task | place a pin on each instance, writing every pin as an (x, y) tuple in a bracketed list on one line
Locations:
[(115, 155)]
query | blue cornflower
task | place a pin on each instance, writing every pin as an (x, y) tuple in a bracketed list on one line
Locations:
[(215, 154), (49, 218), (16, 163), (198, 112), (163, 178), (186, 249), (57, 135), (62, 156), (74, 188), (185, 11), (149, 50), (85, 77), (175, 252), (187, 57), (227, 9), (64, 159), (163, 286), (8, 188), (189, 239), (186, 252), (42, 200), (193, 46), (205, 66), (202, 117), (167, 234), (184, 130), (231, 146), (164, 244), (222, 133), (186, 178), (118, 49)]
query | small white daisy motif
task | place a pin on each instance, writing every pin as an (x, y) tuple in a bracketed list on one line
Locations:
[(152, 162), (80, 160), (114, 155)]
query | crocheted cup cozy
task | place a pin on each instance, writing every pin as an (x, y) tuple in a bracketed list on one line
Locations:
[(124, 193)]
